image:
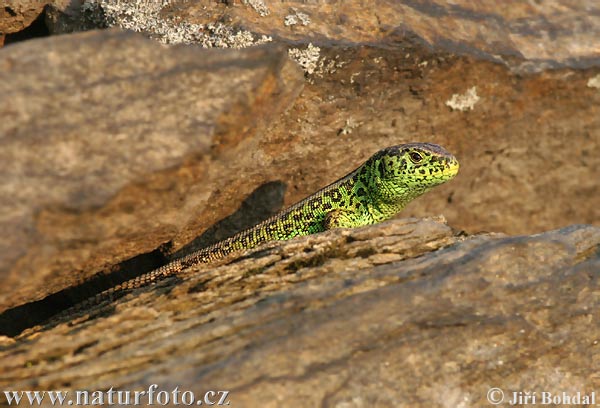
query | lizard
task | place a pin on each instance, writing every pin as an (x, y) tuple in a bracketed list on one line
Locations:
[(375, 191)]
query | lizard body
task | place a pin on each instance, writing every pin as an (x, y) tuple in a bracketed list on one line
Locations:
[(374, 192)]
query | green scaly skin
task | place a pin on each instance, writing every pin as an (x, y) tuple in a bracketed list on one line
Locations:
[(374, 192)]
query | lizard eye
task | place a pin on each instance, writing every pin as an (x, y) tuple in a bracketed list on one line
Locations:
[(415, 157)]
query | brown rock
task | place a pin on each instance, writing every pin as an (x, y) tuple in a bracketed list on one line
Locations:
[(401, 314), (16, 15), (513, 148), (529, 149), (324, 320), (545, 34), (110, 143), (526, 138)]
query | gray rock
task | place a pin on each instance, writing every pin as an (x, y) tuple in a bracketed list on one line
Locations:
[(65, 16), (109, 142), (400, 314)]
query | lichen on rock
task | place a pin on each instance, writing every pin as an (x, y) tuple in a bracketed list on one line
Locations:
[(594, 82), (307, 58), (297, 17), (464, 102), (145, 16), (259, 6)]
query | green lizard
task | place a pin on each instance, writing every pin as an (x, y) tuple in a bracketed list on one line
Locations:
[(374, 192)]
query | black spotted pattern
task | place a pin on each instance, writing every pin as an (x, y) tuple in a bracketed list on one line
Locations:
[(374, 192)]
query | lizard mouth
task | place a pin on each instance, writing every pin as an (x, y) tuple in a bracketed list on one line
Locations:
[(451, 167)]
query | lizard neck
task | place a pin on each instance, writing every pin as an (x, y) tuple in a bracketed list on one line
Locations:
[(381, 211), (385, 200)]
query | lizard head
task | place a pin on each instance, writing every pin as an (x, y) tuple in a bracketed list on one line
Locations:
[(406, 171)]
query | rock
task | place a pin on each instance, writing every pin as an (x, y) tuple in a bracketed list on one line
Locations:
[(117, 153), (517, 146), (529, 147), (548, 34), (110, 142), (520, 136), (66, 16), (15, 15), (404, 313)]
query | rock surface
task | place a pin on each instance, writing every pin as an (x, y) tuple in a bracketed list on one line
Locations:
[(98, 126), (117, 152), (65, 16), (15, 15), (525, 137), (520, 139), (402, 314), (545, 34)]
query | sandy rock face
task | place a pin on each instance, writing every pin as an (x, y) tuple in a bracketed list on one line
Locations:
[(97, 126)]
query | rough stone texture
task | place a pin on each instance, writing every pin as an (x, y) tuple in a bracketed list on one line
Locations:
[(16, 15), (529, 149), (402, 314), (550, 33), (371, 317), (108, 144), (524, 138), (65, 16)]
